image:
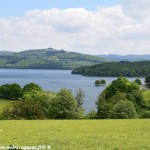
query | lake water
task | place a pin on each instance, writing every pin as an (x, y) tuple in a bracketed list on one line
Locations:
[(54, 80)]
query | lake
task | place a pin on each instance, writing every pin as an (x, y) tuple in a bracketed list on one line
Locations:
[(54, 80)]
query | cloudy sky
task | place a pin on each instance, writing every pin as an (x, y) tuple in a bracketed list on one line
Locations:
[(86, 26)]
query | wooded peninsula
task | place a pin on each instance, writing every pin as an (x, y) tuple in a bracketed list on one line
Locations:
[(115, 69)]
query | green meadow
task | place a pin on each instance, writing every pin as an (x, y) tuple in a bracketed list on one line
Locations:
[(78, 134), (4, 103), (146, 95), (132, 134)]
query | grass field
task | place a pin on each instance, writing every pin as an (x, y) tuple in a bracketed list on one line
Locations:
[(78, 134), (146, 95), (4, 103)]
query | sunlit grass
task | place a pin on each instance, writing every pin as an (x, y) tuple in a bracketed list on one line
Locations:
[(146, 95), (78, 134), (4, 103)]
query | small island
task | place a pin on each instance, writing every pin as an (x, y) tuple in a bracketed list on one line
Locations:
[(100, 83)]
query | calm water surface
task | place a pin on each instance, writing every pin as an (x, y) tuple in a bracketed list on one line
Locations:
[(54, 80)]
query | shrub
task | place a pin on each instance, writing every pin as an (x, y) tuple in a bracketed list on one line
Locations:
[(64, 106), (97, 83), (30, 87), (138, 81), (103, 82), (11, 91), (124, 110), (145, 114), (24, 110), (147, 80), (91, 115)]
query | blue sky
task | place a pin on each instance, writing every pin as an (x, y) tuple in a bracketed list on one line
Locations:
[(10, 8), (86, 26)]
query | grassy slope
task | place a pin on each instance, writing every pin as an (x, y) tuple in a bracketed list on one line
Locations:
[(4, 103), (78, 134), (146, 95)]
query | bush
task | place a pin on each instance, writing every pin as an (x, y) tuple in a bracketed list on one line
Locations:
[(30, 87), (103, 82), (64, 106), (147, 80), (138, 81), (145, 114), (11, 91), (91, 115), (24, 110), (123, 110), (97, 83)]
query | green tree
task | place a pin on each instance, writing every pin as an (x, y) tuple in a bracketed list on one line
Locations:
[(120, 85), (123, 110), (42, 98), (119, 90), (11, 91), (79, 96), (97, 83), (138, 81), (103, 81), (147, 80), (31, 86), (64, 106)]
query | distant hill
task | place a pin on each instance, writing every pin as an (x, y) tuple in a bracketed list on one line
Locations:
[(115, 69), (114, 57), (47, 59)]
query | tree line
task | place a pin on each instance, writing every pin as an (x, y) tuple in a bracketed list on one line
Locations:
[(116, 69), (121, 99)]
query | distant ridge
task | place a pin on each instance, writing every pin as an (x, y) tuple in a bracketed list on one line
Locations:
[(47, 59), (115, 57)]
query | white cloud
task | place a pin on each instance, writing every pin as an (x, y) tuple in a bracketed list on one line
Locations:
[(118, 29)]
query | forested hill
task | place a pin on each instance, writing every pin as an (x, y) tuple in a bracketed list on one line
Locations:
[(115, 69), (47, 59), (118, 58)]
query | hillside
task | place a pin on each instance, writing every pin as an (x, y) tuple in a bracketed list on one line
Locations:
[(115, 69), (117, 58), (47, 59)]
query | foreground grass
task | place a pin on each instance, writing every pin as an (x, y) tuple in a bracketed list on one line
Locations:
[(78, 134)]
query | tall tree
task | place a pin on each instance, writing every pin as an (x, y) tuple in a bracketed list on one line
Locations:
[(79, 96)]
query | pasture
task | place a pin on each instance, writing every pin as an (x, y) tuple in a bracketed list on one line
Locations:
[(78, 134)]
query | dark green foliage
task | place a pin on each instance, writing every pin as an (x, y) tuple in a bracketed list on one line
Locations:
[(79, 96), (64, 106), (115, 69), (147, 80), (103, 81), (138, 81), (145, 114), (100, 82), (11, 91), (97, 83), (123, 110), (120, 85), (104, 110), (31, 87)]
